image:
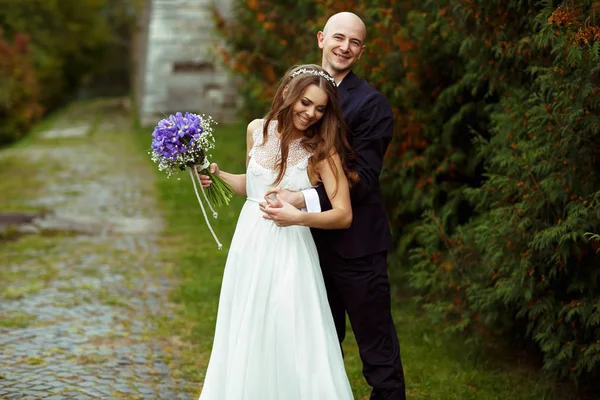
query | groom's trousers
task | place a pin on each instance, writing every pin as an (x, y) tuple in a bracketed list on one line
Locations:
[(361, 288)]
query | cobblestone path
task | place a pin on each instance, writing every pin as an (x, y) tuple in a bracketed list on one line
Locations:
[(77, 293)]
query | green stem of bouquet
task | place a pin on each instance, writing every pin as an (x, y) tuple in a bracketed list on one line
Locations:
[(219, 193)]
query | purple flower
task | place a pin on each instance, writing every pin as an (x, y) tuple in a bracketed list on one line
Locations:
[(176, 134)]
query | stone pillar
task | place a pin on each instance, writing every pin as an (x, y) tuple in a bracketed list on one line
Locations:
[(181, 71)]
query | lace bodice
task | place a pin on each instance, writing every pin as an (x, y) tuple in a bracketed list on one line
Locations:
[(268, 154), (263, 161)]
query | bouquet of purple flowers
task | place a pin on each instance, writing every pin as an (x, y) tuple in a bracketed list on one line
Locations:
[(182, 142)]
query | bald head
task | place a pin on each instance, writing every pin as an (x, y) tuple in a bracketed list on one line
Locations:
[(346, 19), (343, 43)]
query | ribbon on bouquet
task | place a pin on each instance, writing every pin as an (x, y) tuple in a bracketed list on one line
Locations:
[(195, 176)]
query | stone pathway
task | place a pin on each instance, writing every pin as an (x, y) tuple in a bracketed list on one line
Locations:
[(78, 291)]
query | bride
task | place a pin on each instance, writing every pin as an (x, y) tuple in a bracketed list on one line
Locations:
[(275, 338)]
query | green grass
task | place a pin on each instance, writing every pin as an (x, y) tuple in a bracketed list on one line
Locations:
[(32, 360), (438, 366), (19, 181), (18, 292), (16, 320), (16, 279), (115, 301), (21, 176)]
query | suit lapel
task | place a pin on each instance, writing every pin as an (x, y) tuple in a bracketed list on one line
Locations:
[(345, 90), (348, 84)]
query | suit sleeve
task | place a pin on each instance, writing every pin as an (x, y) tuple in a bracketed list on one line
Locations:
[(372, 128)]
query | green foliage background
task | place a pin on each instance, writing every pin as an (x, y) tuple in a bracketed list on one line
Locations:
[(492, 178), (19, 91), (69, 44)]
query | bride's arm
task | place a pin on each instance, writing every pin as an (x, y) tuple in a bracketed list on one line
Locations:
[(236, 181), (338, 191)]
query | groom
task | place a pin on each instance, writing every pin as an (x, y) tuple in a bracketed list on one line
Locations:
[(353, 260)]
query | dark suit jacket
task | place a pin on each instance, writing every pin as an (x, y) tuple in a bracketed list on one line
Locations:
[(370, 123)]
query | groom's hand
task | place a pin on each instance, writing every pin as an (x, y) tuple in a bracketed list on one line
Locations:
[(205, 179), (281, 212)]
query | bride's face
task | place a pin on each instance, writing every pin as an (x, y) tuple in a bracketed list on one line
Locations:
[(310, 108)]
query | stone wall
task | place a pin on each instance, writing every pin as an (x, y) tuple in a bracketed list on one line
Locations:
[(177, 69)]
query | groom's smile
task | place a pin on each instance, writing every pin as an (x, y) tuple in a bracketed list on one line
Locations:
[(341, 56)]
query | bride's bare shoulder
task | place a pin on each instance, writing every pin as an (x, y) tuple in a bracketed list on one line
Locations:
[(254, 125)]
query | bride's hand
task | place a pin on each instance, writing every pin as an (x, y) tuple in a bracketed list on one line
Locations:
[(281, 212), (295, 198), (205, 179)]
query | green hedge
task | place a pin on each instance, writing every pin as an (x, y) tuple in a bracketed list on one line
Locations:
[(75, 44), (523, 265), (68, 40)]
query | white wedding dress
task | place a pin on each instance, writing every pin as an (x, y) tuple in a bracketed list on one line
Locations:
[(274, 338)]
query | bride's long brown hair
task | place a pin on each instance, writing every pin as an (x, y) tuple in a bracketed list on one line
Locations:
[(321, 138)]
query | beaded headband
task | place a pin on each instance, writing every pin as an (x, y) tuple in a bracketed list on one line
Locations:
[(314, 72)]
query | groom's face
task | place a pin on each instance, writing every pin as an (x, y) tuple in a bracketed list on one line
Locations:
[(342, 43)]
